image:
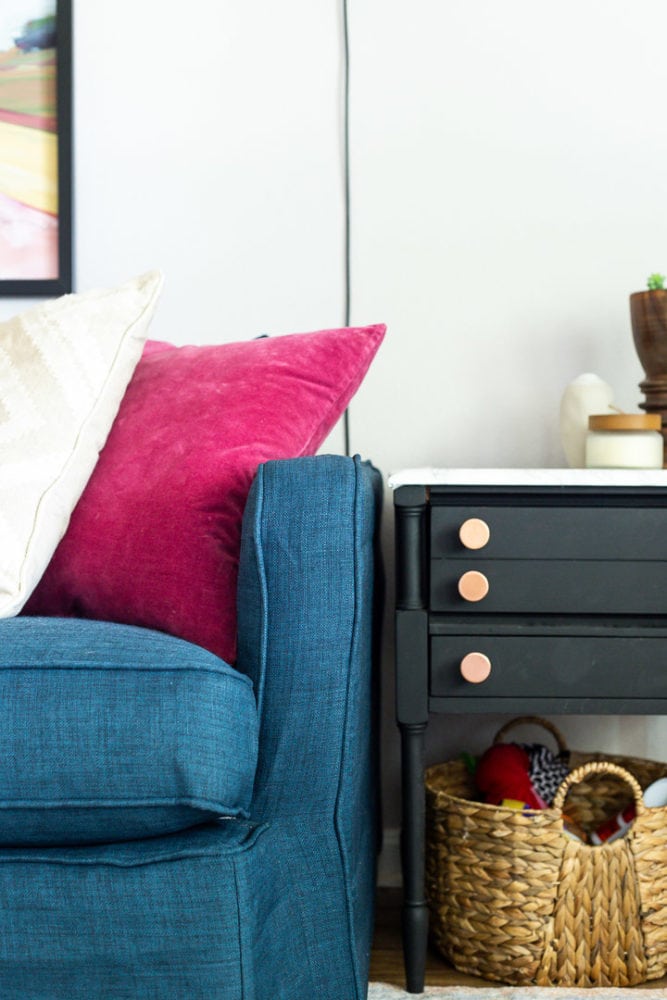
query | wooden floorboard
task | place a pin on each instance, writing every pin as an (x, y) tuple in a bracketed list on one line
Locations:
[(387, 955)]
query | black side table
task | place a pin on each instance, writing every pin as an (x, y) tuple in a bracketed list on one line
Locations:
[(521, 591)]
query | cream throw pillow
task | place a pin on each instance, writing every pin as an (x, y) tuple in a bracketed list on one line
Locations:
[(64, 368)]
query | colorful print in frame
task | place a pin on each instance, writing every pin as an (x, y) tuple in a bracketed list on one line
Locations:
[(35, 147)]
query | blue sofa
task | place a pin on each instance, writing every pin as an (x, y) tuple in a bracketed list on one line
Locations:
[(175, 828)]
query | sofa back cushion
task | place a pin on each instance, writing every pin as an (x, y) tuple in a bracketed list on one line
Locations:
[(155, 538), (109, 732)]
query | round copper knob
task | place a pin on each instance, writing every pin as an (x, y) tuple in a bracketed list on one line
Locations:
[(474, 533), (475, 667), (473, 586)]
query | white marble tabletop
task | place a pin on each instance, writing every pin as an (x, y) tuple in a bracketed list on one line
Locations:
[(529, 477)]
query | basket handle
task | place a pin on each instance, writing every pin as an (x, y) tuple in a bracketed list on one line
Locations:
[(533, 720), (598, 767)]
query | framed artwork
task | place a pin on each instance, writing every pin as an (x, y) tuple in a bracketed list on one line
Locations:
[(35, 147)]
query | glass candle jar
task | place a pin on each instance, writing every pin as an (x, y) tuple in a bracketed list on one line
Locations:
[(624, 441)]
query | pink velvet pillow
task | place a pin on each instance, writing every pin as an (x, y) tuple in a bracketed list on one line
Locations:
[(155, 537)]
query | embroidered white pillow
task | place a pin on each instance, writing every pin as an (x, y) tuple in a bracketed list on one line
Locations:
[(64, 368)]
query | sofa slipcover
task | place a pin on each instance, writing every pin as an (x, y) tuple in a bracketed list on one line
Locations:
[(277, 905)]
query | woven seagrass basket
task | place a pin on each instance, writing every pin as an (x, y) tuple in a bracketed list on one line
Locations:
[(513, 898)]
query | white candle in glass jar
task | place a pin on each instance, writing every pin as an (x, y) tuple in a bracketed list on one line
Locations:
[(624, 441)]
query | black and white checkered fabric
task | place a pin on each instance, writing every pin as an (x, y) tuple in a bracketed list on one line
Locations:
[(546, 770)]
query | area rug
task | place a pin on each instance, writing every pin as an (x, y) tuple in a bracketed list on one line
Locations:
[(381, 991)]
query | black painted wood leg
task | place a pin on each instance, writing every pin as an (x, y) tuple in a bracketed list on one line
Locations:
[(412, 653), (415, 913)]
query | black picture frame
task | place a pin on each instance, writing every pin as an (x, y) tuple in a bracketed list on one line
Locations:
[(62, 282)]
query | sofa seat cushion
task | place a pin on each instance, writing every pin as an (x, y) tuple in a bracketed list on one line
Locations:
[(112, 732)]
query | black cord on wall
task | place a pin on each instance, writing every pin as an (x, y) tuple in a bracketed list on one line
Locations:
[(346, 181)]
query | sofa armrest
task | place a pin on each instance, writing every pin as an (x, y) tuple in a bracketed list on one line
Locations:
[(306, 600)]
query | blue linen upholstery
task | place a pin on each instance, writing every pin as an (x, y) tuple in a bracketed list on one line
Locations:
[(279, 905), (117, 733)]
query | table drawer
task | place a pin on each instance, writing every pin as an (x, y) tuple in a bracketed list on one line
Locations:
[(536, 532), (552, 587), (562, 666)]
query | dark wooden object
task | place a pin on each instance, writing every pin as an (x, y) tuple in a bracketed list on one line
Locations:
[(648, 315)]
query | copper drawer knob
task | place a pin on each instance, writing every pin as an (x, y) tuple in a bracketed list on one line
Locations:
[(474, 533), (473, 586), (475, 667)]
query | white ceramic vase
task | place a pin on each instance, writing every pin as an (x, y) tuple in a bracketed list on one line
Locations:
[(586, 394)]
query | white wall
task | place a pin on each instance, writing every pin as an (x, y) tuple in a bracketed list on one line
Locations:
[(509, 192)]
